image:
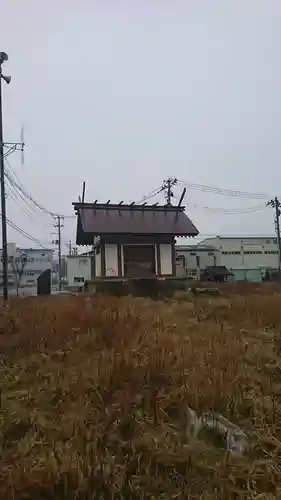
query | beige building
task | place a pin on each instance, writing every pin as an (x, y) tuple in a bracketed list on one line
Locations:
[(22, 278), (195, 257), (78, 269), (245, 252)]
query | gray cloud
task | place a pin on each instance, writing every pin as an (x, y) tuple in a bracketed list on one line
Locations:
[(124, 94)]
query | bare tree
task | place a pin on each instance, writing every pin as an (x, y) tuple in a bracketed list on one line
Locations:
[(18, 265)]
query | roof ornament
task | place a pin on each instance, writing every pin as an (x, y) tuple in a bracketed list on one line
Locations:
[(180, 202)]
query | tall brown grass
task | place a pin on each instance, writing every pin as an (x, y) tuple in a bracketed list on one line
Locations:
[(95, 395)]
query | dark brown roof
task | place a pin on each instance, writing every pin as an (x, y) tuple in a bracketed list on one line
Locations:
[(95, 219)]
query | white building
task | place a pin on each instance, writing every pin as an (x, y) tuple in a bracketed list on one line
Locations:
[(78, 269), (32, 262), (196, 258), (247, 252)]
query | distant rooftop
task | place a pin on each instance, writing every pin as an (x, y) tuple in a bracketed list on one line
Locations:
[(242, 237), (39, 250), (200, 248)]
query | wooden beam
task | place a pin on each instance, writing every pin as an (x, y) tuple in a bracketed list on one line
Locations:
[(158, 256), (93, 264), (102, 259), (174, 263), (182, 197), (83, 192), (119, 259)]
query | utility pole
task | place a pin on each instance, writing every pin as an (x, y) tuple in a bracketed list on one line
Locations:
[(275, 204), (59, 225), (7, 79), (167, 187)]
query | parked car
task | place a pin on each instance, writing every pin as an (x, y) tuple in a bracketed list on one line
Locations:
[(215, 273)]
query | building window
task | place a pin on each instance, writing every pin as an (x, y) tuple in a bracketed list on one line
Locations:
[(78, 279), (210, 253), (190, 273), (180, 257), (193, 253), (253, 252)]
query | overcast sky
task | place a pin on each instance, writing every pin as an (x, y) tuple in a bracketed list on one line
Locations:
[(124, 94)]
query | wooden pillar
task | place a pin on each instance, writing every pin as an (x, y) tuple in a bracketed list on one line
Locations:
[(102, 258), (158, 257), (198, 267), (119, 259), (93, 265), (174, 265)]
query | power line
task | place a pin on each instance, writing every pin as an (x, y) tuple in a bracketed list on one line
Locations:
[(229, 211), (23, 233), (12, 196), (19, 186), (150, 195), (24, 206), (24, 194), (19, 191), (172, 181), (222, 191), (9, 172), (231, 235)]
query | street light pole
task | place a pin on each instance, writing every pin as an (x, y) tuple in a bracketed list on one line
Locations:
[(7, 79)]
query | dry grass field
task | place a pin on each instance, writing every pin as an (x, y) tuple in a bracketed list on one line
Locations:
[(95, 395)]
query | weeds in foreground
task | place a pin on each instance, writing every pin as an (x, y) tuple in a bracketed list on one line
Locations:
[(95, 395)]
